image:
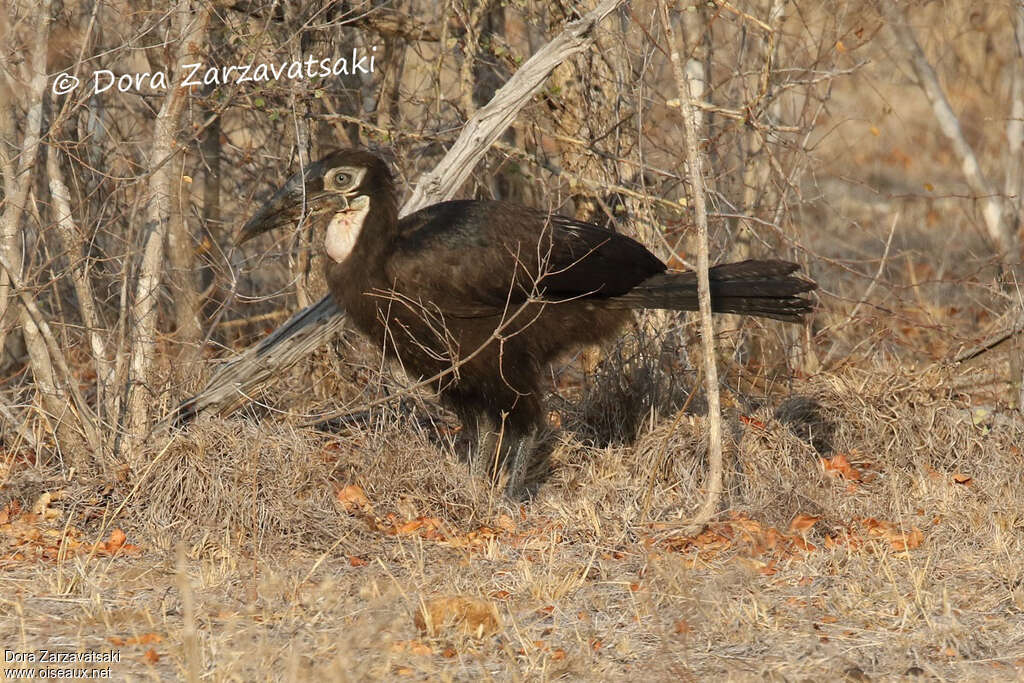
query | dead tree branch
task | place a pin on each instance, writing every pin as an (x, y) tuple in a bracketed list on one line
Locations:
[(713, 483), (52, 349), (17, 181), (158, 215), (991, 207), (79, 275)]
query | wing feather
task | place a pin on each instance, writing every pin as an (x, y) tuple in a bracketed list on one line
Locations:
[(477, 258)]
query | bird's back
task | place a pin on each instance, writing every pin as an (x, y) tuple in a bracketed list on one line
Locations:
[(483, 255)]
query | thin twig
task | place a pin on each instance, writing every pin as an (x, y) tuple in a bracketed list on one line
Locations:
[(85, 414), (992, 341), (693, 164), (870, 288)]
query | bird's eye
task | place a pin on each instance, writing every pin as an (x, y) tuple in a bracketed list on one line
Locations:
[(342, 180)]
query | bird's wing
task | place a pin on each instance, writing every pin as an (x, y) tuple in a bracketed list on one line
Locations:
[(476, 258)]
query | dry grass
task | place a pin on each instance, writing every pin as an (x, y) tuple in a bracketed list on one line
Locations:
[(588, 581)]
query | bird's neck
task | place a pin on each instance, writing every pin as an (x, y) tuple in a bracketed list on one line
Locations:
[(358, 242), (380, 229)]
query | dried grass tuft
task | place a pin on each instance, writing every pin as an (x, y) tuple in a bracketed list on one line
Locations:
[(233, 479)]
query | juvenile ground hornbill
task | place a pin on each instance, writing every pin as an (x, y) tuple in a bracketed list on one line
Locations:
[(483, 294)]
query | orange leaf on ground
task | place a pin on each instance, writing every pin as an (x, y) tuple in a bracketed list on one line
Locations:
[(840, 466), (506, 523), (471, 616), (888, 531), (961, 478), (752, 422), (353, 498), (409, 527), (151, 656), (907, 541), (116, 540), (356, 561), (144, 639)]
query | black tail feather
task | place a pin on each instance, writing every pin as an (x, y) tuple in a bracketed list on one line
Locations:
[(765, 289)]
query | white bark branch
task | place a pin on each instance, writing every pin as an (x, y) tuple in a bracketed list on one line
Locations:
[(35, 324), (991, 206), (713, 482), (77, 263), (158, 210), (496, 116), (1014, 185), (17, 183)]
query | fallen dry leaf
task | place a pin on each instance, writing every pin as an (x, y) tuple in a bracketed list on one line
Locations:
[(116, 541), (907, 541), (42, 505), (889, 532), (471, 616), (506, 523), (752, 422), (840, 466), (353, 498), (144, 639)]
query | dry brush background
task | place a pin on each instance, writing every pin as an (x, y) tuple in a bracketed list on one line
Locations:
[(871, 524)]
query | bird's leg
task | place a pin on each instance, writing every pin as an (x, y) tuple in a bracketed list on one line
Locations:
[(484, 446), (518, 449), (500, 442), (503, 445), (519, 442)]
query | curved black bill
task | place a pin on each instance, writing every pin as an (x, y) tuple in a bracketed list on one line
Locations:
[(285, 205)]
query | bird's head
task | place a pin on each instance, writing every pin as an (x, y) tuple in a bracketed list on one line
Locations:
[(338, 190)]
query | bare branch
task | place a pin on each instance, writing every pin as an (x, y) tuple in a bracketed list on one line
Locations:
[(490, 121), (79, 274), (713, 482), (17, 183), (54, 357), (144, 311), (991, 208)]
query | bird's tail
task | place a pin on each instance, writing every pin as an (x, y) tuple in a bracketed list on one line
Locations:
[(761, 288)]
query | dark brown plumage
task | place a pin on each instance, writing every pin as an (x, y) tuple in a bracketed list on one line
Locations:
[(486, 293)]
